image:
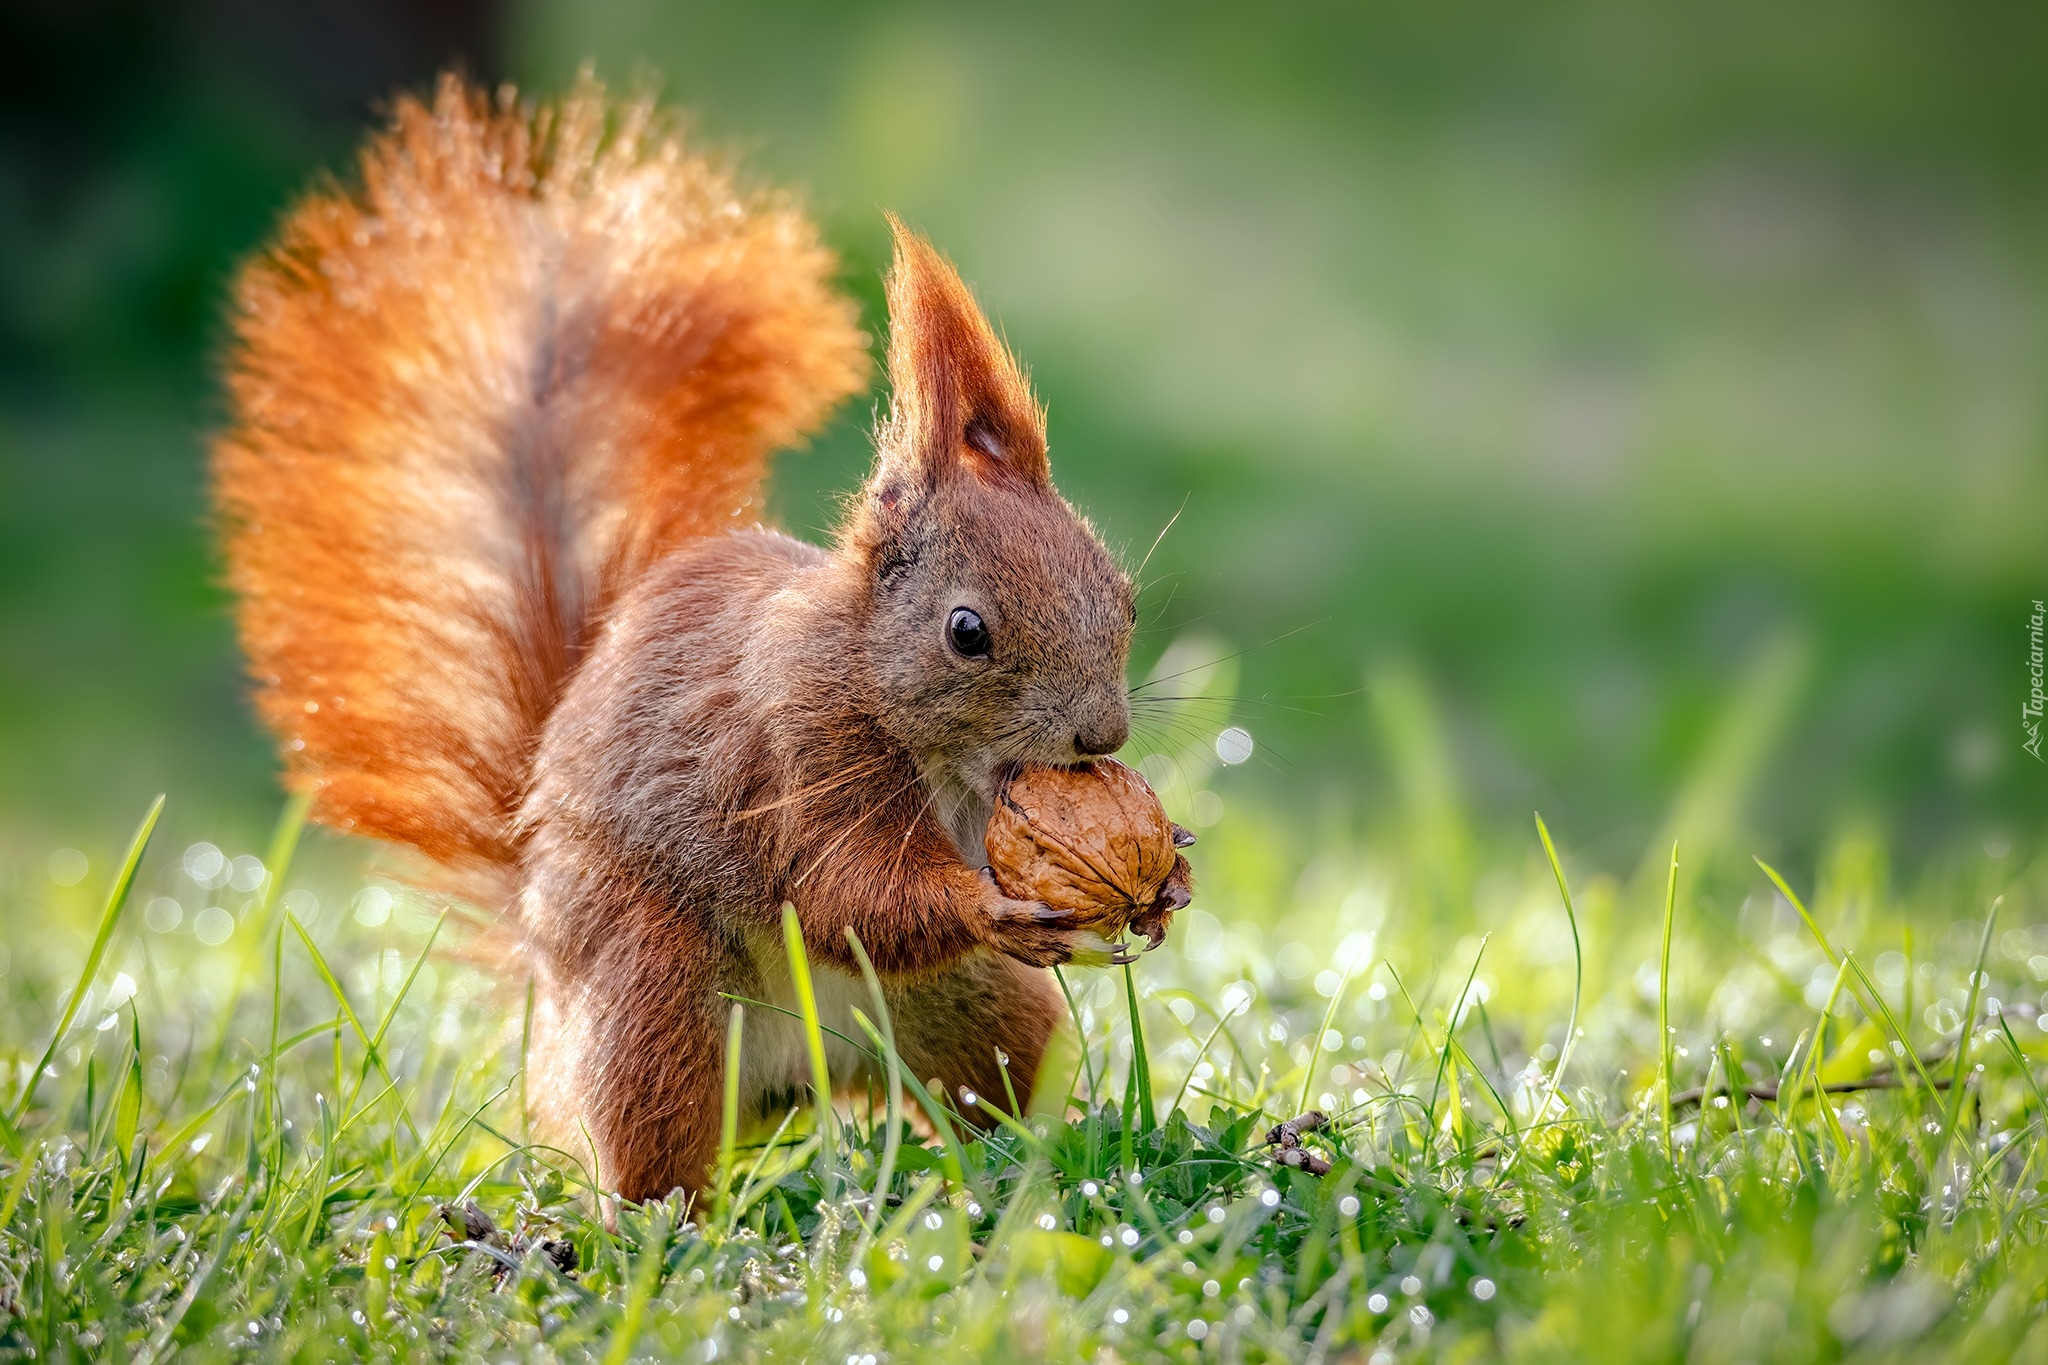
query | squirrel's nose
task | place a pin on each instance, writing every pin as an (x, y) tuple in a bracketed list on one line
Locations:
[(1102, 736)]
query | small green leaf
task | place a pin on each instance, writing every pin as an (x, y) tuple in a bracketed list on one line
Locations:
[(1073, 1262)]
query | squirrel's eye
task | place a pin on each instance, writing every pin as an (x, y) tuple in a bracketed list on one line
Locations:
[(967, 633)]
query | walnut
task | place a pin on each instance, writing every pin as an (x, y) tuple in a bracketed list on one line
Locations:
[(1093, 841)]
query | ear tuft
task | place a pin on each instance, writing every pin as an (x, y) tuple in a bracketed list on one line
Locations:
[(959, 401)]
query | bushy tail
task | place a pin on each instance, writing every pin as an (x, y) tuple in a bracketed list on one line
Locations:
[(469, 401)]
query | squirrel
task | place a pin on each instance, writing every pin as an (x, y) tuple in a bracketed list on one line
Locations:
[(490, 495)]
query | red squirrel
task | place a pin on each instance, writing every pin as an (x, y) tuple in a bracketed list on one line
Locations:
[(491, 500)]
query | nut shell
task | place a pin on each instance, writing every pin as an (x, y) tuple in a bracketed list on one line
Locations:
[(1091, 840)]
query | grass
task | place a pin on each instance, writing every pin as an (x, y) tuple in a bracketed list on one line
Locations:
[(1809, 1126)]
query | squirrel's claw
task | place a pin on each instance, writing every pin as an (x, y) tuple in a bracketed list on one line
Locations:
[(1177, 892), (1183, 837), (1152, 924), (1179, 888)]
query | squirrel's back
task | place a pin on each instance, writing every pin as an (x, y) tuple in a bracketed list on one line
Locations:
[(471, 400)]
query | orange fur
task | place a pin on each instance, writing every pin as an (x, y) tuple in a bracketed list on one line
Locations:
[(537, 348)]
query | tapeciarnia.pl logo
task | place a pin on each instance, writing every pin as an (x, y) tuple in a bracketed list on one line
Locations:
[(2030, 710)]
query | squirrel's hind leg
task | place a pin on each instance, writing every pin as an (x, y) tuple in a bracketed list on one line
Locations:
[(628, 1047)]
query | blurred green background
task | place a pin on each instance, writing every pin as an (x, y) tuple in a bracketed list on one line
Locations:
[(1636, 411)]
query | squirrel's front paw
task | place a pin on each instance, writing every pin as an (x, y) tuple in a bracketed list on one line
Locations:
[(1039, 945), (1006, 909), (1034, 933)]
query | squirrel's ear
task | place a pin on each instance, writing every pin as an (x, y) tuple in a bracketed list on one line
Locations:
[(959, 403)]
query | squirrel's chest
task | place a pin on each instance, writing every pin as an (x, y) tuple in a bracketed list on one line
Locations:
[(963, 811), (775, 1067)]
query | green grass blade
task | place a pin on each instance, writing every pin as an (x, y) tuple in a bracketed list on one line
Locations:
[(15, 1189), (405, 986), (1087, 1053), (648, 1266), (2012, 1044), (110, 915), (797, 1014), (1875, 1001), (1664, 1006), (883, 1028), (1884, 1012), (448, 1146), (1200, 1053), (814, 1037), (1011, 1124), (1788, 1094), (316, 1198), (729, 1113), (128, 1109), (1969, 1030), (1451, 1021), (1138, 1104), (200, 1283), (920, 1195), (1315, 1055), (202, 1118), (1811, 926), (1826, 1111), (277, 858), (1571, 1028), (276, 1108), (1422, 1030), (1466, 1059), (10, 1136), (348, 1012), (954, 1155), (747, 1196)]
